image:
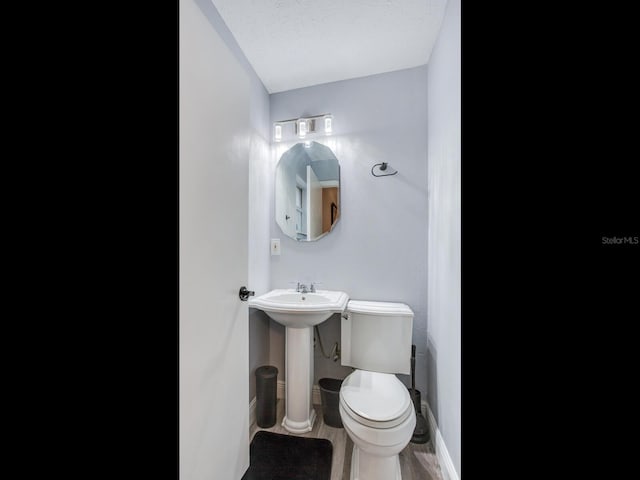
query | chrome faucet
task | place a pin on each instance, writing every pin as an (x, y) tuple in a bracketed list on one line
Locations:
[(302, 288)]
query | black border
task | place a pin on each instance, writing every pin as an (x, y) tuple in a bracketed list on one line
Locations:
[(549, 312)]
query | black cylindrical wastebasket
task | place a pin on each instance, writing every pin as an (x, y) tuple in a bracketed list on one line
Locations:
[(330, 397), (266, 379)]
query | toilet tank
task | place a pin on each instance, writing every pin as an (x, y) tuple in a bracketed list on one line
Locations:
[(376, 336)]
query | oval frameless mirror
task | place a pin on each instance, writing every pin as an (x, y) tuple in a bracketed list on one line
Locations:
[(307, 191)]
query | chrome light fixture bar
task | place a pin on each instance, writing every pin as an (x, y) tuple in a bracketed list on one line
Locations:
[(304, 126)]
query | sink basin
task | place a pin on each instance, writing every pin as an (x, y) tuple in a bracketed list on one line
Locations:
[(300, 310)]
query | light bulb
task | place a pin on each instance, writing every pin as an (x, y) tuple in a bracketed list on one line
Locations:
[(328, 125), (302, 128)]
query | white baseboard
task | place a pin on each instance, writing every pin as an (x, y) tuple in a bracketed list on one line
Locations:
[(444, 459), (315, 392), (252, 411), (316, 399), (280, 389)]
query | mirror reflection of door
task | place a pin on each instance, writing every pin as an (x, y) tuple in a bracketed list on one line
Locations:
[(314, 202), (329, 207), (299, 231), (307, 191)]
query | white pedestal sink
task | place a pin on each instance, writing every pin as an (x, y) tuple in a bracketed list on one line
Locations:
[(299, 312)]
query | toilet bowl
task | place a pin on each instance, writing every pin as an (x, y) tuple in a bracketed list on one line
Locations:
[(375, 406), (378, 416)]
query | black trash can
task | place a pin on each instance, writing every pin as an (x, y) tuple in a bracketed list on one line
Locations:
[(330, 397), (266, 380)]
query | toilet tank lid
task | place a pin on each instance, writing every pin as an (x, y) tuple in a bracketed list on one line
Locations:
[(379, 308)]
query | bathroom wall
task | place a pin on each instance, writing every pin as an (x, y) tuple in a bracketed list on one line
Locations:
[(443, 293), (377, 250), (260, 187)]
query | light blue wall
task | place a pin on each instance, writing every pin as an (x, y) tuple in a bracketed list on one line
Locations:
[(444, 134), (377, 250), (260, 187)]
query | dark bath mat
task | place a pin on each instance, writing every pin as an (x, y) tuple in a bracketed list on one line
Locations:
[(287, 457)]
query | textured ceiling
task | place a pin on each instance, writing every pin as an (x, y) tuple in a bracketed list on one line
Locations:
[(299, 43)]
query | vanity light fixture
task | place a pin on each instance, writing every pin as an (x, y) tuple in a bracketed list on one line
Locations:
[(304, 126)]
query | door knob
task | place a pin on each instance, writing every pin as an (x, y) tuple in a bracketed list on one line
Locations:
[(244, 294)]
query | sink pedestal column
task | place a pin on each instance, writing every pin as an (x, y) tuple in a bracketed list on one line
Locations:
[(299, 413)]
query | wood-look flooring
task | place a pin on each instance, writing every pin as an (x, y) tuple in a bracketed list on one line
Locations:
[(417, 461)]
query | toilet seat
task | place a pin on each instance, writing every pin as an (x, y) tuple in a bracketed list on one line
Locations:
[(378, 400), (375, 424)]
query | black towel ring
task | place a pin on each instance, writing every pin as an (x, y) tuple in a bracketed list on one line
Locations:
[(383, 167)]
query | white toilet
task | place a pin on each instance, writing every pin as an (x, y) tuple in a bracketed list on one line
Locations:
[(375, 406)]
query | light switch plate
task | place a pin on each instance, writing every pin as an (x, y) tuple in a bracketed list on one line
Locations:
[(275, 246)]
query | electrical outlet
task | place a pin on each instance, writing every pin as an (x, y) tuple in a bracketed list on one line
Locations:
[(275, 246)]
